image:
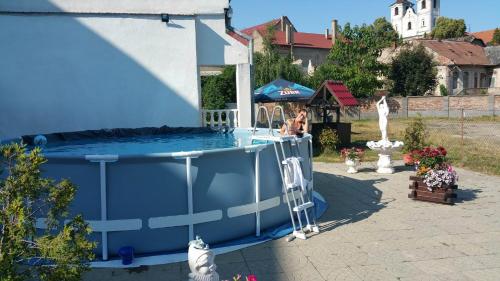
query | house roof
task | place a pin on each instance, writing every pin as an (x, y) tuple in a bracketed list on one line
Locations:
[(401, 2), (338, 91), (486, 35), (261, 27), (457, 53), (301, 39), (238, 37), (305, 40)]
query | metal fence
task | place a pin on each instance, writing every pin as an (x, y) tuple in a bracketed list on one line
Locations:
[(468, 138)]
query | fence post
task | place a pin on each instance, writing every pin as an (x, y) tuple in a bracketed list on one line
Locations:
[(462, 126), (404, 106), (491, 104)]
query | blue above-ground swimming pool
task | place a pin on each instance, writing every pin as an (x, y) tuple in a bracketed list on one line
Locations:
[(156, 191)]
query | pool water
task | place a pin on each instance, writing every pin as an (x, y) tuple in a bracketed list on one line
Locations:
[(166, 143)]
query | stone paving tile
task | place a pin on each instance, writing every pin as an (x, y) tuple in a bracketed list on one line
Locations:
[(339, 274), (492, 274), (373, 273)]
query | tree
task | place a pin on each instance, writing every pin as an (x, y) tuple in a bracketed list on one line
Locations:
[(270, 65), (220, 89), (61, 253), (354, 57), (496, 38), (448, 28), (413, 72)]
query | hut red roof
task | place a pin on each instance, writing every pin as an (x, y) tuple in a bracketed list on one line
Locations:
[(338, 91)]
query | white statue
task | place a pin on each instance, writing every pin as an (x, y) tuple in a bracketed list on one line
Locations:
[(384, 146), (383, 113), (201, 262)]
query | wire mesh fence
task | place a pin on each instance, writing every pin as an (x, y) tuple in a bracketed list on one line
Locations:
[(470, 140)]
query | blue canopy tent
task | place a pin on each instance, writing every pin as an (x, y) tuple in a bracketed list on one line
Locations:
[(283, 91)]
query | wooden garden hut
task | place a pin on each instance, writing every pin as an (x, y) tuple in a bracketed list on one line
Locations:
[(332, 96)]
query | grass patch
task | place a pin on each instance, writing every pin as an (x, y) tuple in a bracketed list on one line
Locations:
[(476, 152)]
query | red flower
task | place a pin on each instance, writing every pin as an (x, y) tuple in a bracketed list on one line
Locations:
[(251, 278)]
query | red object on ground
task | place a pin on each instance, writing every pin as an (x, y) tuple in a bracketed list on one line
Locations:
[(251, 278)]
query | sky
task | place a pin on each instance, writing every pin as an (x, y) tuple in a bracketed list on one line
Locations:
[(315, 15)]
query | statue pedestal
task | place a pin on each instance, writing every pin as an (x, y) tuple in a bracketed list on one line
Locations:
[(385, 148), (385, 164)]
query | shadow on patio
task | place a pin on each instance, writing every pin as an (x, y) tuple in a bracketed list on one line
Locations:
[(349, 200)]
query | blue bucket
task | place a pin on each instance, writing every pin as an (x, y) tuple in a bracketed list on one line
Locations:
[(127, 255)]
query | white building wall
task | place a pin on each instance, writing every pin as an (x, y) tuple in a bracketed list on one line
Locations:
[(422, 20), (68, 72)]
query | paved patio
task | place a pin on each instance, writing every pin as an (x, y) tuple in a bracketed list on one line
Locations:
[(371, 231)]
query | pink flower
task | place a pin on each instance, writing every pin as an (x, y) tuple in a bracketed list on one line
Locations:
[(251, 277)]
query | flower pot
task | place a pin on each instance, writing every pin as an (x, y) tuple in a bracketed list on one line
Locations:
[(420, 191), (352, 165), (408, 160)]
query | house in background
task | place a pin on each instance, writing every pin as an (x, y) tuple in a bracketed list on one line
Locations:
[(463, 67), (486, 35), (308, 50)]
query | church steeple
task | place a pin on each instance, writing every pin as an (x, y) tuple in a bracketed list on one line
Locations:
[(411, 20)]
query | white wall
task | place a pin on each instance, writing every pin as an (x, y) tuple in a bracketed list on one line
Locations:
[(65, 73), (176, 7), (68, 72)]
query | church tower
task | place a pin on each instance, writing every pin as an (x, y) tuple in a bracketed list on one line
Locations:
[(414, 21), (428, 12), (398, 11)]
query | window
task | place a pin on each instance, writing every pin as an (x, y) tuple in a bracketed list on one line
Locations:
[(455, 80), (424, 4), (423, 23), (433, 22), (483, 80), (476, 80), (396, 11), (409, 26), (435, 3), (466, 80)]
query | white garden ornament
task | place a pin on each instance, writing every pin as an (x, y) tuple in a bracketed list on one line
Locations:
[(384, 146), (201, 262)]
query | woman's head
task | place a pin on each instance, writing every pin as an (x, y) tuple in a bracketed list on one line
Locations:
[(302, 116)]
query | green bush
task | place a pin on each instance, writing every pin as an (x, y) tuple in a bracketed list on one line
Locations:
[(26, 195), (329, 140), (415, 135), (443, 90)]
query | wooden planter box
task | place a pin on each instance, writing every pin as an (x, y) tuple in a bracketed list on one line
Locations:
[(444, 195)]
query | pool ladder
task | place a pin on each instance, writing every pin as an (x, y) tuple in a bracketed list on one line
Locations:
[(298, 195)]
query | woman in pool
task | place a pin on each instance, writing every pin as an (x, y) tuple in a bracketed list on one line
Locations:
[(297, 126)]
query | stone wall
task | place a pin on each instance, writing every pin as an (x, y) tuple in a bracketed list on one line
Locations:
[(429, 106)]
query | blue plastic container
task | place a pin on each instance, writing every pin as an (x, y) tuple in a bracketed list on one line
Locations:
[(127, 255)]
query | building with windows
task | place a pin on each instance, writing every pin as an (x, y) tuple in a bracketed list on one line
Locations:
[(412, 20), (308, 50), (463, 67)]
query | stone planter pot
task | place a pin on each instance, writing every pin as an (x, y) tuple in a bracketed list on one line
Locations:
[(352, 166), (420, 191), (408, 160)]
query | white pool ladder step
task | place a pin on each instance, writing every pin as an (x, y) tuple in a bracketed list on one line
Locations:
[(303, 207), (303, 202)]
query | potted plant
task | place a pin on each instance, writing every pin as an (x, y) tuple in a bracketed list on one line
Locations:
[(352, 157), (435, 178), (414, 139)]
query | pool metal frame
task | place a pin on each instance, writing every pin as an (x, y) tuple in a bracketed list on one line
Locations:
[(104, 226)]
